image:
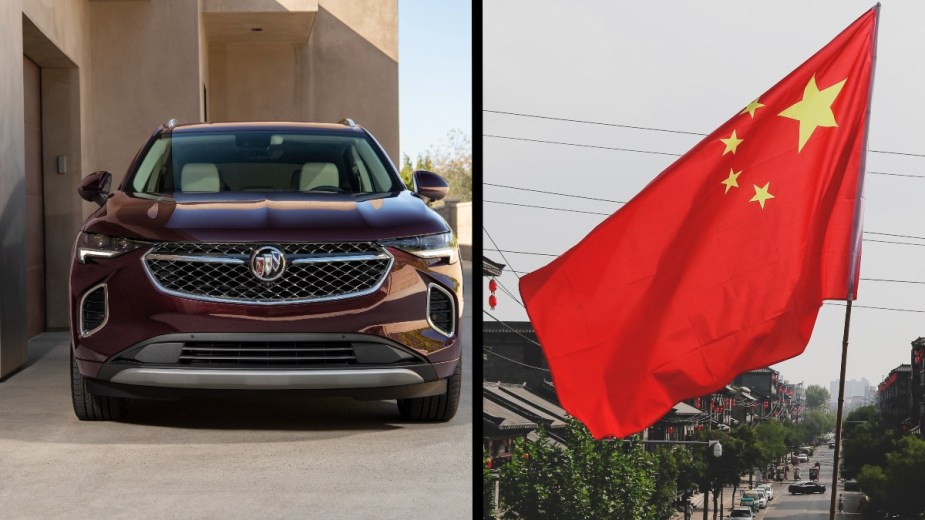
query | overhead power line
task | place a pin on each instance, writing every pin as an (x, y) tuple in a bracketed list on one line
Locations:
[(493, 353), (506, 261), (490, 315), (649, 128), (520, 188)]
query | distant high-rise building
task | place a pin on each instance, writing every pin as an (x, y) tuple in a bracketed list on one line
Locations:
[(853, 389)]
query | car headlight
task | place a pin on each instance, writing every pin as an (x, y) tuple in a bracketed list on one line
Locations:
[(91, 245), (440, 245)]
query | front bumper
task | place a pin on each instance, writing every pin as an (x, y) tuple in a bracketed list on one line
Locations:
[(393, 317)]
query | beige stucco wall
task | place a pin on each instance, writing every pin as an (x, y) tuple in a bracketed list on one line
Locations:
[(12, 209), (145, 62), (348, 67)]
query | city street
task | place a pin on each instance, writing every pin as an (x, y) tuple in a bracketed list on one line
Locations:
[(791, 507), (212, 458)]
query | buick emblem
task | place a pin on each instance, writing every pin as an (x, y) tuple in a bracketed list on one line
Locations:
[(268, 263)]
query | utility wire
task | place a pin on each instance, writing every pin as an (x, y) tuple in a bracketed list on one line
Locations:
[(534, 206), (493, 353), (545, 207), (499, 250), (511, 328), (648, 128), (552, 193), (580, 145), (506, 291), (877, 308)]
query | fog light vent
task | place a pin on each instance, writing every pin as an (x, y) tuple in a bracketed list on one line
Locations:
[(441, 313), (93, 310)]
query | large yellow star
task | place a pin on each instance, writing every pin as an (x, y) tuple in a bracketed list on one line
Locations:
[(814, 110), (761, 194), (752, 107), (731, 181), (732, 142)]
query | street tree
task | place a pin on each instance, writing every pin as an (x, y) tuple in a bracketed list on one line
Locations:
[(452, 160), (817, 398), (865, 441), (586, 478)]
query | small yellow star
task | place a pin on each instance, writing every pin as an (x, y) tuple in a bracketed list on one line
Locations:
[(752, 107), (761, 194), (814, 110), (732, 142), (731, 181)]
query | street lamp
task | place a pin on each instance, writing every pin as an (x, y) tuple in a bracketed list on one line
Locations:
[(717, 450)]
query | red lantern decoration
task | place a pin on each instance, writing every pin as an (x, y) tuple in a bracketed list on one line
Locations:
[(492, 285), (697, 402), (671, 429), (492, 301), (699, 427), (526, 456)]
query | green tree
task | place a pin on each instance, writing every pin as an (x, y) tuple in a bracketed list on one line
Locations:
[(488, 485), (905, 476), (771, 437), (452, 159), (866, 441), (817, 398), (585, 479)]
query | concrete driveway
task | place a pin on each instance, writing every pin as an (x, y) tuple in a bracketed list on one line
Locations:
[(318, 458)]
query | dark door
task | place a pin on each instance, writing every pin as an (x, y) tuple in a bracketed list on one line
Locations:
[(35, 207)]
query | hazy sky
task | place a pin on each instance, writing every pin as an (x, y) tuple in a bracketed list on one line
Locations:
[(434, 72), (690, 66)]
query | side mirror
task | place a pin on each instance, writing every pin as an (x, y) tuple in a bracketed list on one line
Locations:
[(430, 185), (95, 187)]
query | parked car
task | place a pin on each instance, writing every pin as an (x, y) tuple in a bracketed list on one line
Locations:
[(749, 502), (802, 457), (744, 513), (831, 445), (769, 489), (265, 257), (852, 485), (798, 488), (760, 499)]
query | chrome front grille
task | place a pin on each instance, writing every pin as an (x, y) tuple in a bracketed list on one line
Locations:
[(264, 353), (223, 273)]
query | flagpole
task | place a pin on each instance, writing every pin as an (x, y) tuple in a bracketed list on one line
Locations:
[(853, 275), (841, 406)]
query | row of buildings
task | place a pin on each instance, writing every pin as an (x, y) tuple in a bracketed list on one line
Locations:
[(518, 394), (901, 395)]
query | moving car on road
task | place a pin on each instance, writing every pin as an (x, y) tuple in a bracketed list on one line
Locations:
[(799, 488)]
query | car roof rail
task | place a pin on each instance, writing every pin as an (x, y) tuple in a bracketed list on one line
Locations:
[(348, 122)]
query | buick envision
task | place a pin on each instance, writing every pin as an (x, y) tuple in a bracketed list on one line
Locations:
[(265, 257)]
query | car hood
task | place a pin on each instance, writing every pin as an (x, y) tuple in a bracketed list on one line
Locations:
[(265, 217)]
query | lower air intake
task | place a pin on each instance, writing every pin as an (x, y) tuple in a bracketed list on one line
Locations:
[(441, 313), (93, 310)]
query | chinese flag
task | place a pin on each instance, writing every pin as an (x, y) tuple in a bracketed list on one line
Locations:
[(721, 263)]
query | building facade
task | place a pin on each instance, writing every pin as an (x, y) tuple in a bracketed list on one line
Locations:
[(85, 82)]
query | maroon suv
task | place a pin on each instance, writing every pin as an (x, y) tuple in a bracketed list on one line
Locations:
[(265, 257)]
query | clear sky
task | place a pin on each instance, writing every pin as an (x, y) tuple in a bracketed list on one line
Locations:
[(434, 72), (689, 66)]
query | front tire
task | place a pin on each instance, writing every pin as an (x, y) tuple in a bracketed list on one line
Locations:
[(89, 407), (435, 408)]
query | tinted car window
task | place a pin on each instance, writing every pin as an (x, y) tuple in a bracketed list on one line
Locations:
[(263, 161)]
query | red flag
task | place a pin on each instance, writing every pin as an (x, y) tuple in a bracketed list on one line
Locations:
[(721, 263)]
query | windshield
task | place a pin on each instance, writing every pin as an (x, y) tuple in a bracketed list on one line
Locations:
[(263, 161)]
